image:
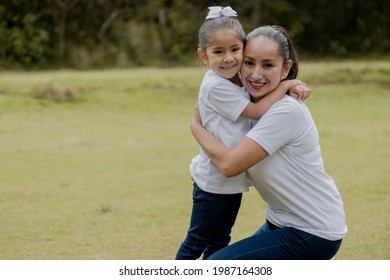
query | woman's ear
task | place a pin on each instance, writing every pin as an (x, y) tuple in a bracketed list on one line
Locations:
[(202, 56), (286, 69)]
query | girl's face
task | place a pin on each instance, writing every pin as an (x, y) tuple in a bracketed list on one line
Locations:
[(224, 53), (262, 69)]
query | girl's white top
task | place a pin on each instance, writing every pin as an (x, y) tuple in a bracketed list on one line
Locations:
[(292, 179), (220, 104)]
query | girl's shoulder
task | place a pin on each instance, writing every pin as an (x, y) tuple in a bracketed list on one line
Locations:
[(213, 81)]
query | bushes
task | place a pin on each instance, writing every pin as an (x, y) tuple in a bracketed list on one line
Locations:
[(55, 93), (24, 45)]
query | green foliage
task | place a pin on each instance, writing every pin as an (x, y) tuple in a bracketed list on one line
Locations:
[(25, 43), (86, 34)]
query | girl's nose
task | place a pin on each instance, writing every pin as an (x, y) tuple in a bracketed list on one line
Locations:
[(228, 58)]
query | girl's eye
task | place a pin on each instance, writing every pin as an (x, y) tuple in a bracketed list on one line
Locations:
[(268, 65), (236, 49)]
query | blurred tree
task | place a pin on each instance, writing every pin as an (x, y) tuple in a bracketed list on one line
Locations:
[(64, 6), (104, 33)]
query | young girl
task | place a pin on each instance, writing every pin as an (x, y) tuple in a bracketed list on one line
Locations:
[(305, 216), (226, 111)]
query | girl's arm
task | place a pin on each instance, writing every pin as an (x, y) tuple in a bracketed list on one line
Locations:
[(229, 162), (256, 110)]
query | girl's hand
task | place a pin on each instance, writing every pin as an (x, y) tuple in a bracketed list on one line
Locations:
[(300, 92)]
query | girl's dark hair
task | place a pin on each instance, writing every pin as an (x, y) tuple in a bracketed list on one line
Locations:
[(210, 26), (286, 47)]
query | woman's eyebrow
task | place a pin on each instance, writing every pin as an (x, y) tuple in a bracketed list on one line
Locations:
[(248, 57)]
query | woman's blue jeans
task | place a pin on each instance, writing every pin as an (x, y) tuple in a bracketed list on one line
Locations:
[(273, 243), (212, 218)]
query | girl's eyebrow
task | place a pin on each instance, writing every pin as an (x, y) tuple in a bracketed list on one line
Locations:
[(226, 47)]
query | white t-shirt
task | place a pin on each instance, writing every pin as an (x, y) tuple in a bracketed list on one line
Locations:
[(292, 179), (220, 104)]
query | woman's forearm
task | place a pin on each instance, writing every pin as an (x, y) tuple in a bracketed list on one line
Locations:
[(216, 150), (229, 162)]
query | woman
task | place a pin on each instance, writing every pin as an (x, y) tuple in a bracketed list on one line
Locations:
[(305, 214)]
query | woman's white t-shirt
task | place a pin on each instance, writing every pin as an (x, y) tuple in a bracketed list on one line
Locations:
[(292, 179), (220, 104)]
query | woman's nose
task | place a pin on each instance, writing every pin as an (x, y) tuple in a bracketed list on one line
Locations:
[(257, 73)]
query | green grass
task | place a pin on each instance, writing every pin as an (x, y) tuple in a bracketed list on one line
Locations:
[(104, 175)]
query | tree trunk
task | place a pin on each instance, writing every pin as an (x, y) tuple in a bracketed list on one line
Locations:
[(64, 6), (255, 17)]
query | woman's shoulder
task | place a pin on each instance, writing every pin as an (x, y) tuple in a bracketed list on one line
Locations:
[(293, 111), (288, 110), (288, 102)]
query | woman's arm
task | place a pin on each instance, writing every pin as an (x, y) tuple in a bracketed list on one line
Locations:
[(229, 162), (297, 89)]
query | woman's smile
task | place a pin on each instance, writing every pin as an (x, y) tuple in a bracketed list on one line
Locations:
[(256, 85)]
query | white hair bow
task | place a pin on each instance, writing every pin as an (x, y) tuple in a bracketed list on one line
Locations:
[(218, 11)]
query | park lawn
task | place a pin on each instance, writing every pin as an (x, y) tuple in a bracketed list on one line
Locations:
[(104, 174)]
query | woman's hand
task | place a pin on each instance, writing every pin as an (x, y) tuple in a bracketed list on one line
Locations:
[(196, 119)]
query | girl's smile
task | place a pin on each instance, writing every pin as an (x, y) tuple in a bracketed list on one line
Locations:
[(224, 53)]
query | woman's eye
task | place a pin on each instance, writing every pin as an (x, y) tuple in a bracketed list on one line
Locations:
[(248, 63)]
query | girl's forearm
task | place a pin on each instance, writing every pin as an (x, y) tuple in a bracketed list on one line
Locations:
[(277, 94), (256, 110)]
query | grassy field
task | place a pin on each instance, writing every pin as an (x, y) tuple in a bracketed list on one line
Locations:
[(94, 164)]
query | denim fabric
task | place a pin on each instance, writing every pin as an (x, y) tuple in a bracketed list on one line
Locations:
[(273, 243), (212, 218)]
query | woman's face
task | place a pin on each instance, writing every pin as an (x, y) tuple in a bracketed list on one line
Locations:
[(262, 68)]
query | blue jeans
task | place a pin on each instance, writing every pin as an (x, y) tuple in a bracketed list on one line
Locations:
[(273, 243), (213, 216)]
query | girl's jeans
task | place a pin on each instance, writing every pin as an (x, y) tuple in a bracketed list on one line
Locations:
[(213, 216), (273, 243)]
